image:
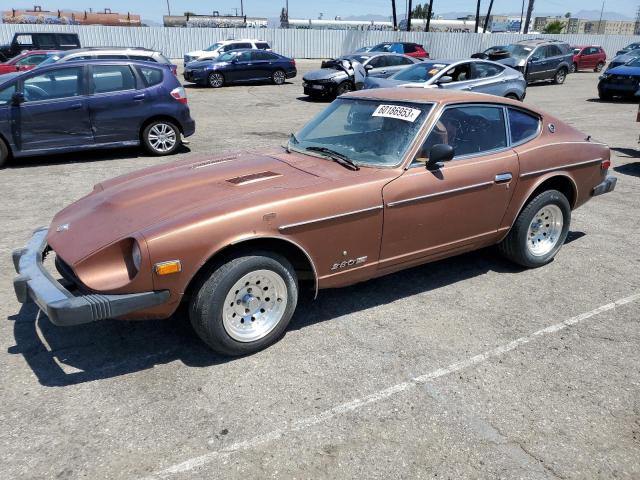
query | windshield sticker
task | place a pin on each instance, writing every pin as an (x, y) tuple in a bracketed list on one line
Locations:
[(395, 111)]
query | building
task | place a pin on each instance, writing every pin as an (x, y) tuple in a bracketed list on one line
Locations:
[(68, 17), (580, 25)]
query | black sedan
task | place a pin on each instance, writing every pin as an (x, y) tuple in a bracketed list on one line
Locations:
[(241, 66)]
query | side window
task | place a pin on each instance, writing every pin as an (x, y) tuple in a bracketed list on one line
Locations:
[(262, 45), (79, 57), (68, 41), (63, 83), (244, 57), (553, 51), (151, 76), (469, 130), (242, 45), (485, 70), (460, 73), (402, 61), (409, 48), (24, 39), (377, 62), (32, 59), (6, 94), (112, 78), (46, 40), (522, 125)]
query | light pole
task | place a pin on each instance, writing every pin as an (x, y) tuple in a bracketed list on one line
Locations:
[(600, 29), (168, 8), (521, 17)]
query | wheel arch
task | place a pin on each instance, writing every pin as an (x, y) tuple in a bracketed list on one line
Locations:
[(300, 259), (560, 181), (153, 118)]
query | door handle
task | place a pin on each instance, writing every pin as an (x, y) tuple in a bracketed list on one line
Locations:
[(140, 96), (76, 106), (503, 177), (467, 88)]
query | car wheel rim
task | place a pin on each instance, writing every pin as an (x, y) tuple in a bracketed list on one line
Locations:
[(254, 306), (278, 77), (560, 77), (215, 80), (573, 68), (545, 230), (162, 137)]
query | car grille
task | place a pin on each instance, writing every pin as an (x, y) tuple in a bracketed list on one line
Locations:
[(66, 272), (624, 79)]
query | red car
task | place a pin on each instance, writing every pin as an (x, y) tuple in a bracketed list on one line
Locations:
[(406, 48), (588, 57), (25, 61)]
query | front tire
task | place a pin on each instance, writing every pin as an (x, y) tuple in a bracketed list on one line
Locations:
[(599, 67), (245, 305), (344, 87), (4, 154), (278, 77), (560, 76), (161, 137), (539, 231), (573, 68), (215, 80)]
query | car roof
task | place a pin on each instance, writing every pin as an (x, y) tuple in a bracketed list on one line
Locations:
[(107, 49), (422, 95), (539, 41)]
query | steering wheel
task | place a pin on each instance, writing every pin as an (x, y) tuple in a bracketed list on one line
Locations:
[(33, 92)]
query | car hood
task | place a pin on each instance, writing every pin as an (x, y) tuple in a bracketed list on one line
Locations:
[(196, 64), (624, 70), (324, 74), (126, 205), (377, 82), (624, 58)]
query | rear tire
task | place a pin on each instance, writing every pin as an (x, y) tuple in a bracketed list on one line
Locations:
[(161, 137), (599, 67), (560, 76), (539, 231), (573, 68), (278, 77), (512, 96), (215, 80), (4, 154), (245, 304)]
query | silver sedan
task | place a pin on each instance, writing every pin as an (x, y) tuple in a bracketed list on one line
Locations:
[(473, 75)]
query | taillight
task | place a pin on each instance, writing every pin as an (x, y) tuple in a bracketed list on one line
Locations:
[(174, 69), (293, 62), (179, 94), (605, 164)]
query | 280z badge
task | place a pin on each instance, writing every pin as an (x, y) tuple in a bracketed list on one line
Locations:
[(348, 263)]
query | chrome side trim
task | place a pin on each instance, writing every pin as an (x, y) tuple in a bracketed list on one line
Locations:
[(439, 194), (332, 217), (561, 167)]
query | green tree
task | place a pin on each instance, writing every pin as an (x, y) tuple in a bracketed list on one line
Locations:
[(555, 26), (567, 15), (420, 11)]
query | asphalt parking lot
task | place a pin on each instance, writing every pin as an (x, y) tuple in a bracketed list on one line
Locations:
[(465, 368)]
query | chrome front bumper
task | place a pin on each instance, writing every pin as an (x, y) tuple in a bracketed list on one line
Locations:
[(63, 307)]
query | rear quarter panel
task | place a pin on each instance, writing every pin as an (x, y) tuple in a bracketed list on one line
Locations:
[(565, 152)]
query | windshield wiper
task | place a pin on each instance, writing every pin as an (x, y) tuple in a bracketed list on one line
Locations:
[(336, 157)]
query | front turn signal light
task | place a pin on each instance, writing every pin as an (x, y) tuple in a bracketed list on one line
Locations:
[(166, 268)]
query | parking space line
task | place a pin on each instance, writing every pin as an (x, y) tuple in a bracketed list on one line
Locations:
[(375, 397)]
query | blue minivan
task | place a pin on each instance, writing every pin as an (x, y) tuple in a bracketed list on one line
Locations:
[(92, 104)]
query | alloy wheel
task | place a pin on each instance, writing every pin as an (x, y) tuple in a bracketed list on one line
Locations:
[(162, 137), (216, 80), (544, 230), (278, 77)]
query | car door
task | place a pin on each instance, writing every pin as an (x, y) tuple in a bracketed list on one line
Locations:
[(55, 111), (241, 68), (461, 204), (116, 103), (377, 66), (396, 63), (486, 78), (590, 58), (262, 64), (538, 64)]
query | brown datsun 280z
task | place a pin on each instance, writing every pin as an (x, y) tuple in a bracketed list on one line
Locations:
[(380, 181)]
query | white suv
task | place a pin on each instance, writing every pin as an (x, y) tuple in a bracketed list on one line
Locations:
[(110, 53), (221, 47)]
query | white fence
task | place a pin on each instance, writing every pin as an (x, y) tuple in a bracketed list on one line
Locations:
[(174, 42)]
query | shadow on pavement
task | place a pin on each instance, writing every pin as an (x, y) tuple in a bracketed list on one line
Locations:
[(62, 356), (86, 156)]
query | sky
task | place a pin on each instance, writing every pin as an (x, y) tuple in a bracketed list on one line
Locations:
[(154, 9)]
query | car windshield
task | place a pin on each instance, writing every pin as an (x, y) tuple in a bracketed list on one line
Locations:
[(213, 47), (383, 47), (420, 72), (518, 52), (51, 58), (633, 63), (357, 58), (576, 51), (366, 132)]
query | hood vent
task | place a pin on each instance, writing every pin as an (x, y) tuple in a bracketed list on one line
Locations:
[(214, 162), (253, 177)]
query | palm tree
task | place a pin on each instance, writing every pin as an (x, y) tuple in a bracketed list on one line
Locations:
[(555, 26)]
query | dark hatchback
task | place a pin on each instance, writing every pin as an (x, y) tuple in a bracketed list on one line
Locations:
[(245, 65), (92, 104), (622, 81)]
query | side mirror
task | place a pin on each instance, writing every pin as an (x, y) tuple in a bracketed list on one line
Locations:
[(234, 60), (368, 67), (444, 79), (17, 98), (534, 59), (438, 154)]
